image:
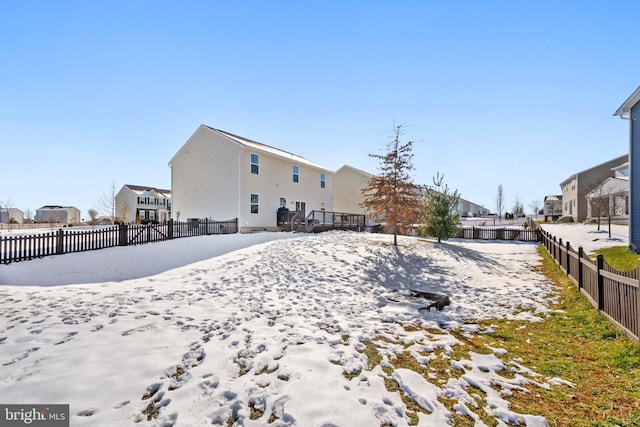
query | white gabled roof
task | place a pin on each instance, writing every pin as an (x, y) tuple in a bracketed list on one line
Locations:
[(257, 146), (625, 108), (610, 186)]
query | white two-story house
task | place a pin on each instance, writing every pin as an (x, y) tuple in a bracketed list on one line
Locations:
[(221, 176), (137, 203)]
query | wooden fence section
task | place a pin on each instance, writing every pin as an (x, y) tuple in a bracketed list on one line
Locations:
[(500, 233), (615, 293), (26, 247)]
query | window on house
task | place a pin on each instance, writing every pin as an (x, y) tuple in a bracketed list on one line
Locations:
[(322, 206), (152, 214), (255, 164), (141, 200), (323, 180), (255, 202), (152, 201), (296, 174)]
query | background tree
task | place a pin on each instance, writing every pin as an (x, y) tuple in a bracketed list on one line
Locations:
[(500, 202), (6, 206), (534, 205), (93, 216), (107, 202), (392, 196), (28, 216), (441, 218), (518, 207)]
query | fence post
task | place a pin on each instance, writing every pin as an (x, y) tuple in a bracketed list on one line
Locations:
[(60, 242), (600, 261), (206, 226), (170, 229), (568, 261), (580, 278), (122, 234)]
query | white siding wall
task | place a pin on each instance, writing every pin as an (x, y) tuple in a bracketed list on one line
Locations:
[(275, 180), (204, 178)]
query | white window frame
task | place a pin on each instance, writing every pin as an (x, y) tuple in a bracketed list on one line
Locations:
[(323, 180), (296, 173), (255, 203), (256, 163)]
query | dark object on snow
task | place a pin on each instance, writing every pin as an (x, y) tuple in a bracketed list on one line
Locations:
[(440, 301)]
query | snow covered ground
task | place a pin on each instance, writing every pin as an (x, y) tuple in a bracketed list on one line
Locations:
[(193, 332), (588, 236)]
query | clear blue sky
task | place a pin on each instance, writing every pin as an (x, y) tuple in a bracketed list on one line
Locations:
[(493, 92)]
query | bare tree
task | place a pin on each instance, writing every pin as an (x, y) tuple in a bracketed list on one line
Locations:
[(500, 202), (392, 195), (28, 215), (107, 202), (93, 216), (534, 205), (518, 208), (7, 205)]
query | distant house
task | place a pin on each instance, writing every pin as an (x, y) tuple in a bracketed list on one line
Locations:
[(611, 197), (11, 215), (552, 209), (137, 203), (54, 214), (630, 110), (575, 188), (467, 209), (221, 176), (348, 183)]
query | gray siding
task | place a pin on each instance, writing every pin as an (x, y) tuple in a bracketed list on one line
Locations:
[(634, 181)]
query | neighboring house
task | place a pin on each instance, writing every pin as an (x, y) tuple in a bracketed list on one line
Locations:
[(222, 176), (12, 215), (611, 197), (469, 209), (348, 183), (575, 188), (552, 209), (630, 110), (67, 215), (137, 203)]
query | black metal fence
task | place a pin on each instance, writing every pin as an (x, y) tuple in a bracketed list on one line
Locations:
[(500, 233), (66, 240)]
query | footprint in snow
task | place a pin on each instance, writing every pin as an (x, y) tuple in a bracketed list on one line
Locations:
[(22, 356), (68, 338)]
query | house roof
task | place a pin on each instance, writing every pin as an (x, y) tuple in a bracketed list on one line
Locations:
[(141, 190), (552, 198), (622, 159), (257, 146), (355, 169), (610, 186), (632, 100), (55, 207), (267, 149)]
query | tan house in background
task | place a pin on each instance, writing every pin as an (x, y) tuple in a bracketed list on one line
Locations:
[(222, 176), (11, 215), (54, 214), (575, 188), (348, 183)]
